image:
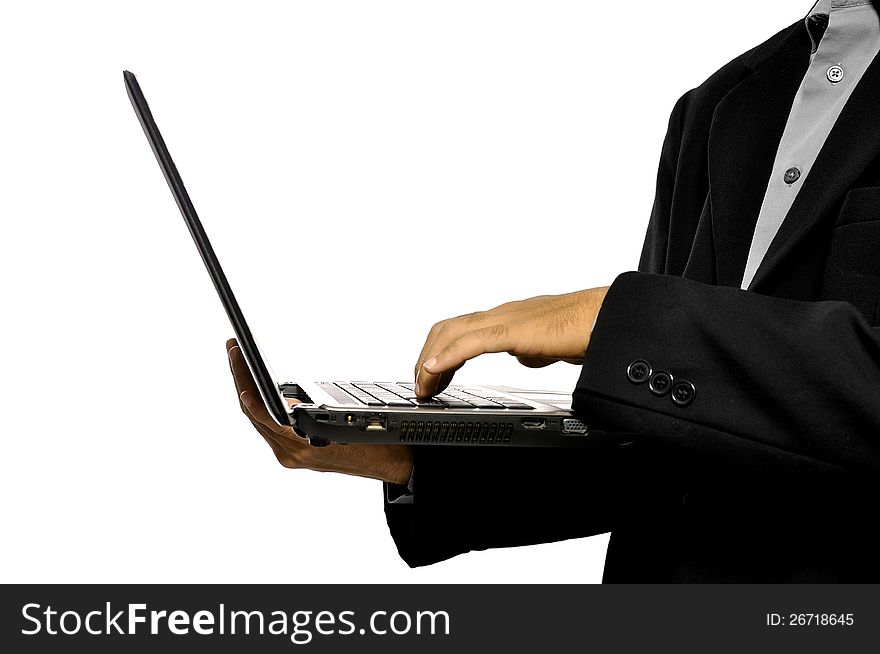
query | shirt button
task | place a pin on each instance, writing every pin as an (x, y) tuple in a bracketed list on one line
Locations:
[(792, 175), (834, 73)]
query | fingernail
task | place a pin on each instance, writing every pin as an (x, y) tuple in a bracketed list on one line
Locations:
[(418, 388), (430, 363)]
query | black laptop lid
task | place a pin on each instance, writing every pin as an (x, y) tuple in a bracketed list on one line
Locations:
[(268, 388)]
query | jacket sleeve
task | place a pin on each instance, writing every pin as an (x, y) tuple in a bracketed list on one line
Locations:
[(654, 250), (783, 389), (476, 498)]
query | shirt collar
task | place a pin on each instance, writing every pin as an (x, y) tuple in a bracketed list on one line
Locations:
[(815, 22)]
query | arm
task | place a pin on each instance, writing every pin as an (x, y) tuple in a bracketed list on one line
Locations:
[(785, 390), (782, 387), (786, 405), (466, 499), (477, 499), (473, 498)]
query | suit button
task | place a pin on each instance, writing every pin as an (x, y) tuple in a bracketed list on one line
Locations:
[(660, 383), (683, 393), (638, 371)]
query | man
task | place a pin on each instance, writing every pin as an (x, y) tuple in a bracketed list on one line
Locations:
[(745, 351)]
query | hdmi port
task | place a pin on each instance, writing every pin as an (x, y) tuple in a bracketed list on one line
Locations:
[(533, 423)]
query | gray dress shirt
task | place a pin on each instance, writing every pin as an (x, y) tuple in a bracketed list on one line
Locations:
[(840, 57)]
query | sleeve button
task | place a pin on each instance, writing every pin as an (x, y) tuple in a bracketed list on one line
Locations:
[(660, 383), (638, 371), (683, 393)]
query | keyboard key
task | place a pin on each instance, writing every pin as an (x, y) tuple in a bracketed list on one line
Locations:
[(518, 406), (400, 395), (484, 404), (431, 403), (457, 404)]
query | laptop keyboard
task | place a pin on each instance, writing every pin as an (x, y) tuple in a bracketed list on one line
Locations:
[(401, 394)]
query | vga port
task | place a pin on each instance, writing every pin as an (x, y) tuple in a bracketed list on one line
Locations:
[(573, 426)]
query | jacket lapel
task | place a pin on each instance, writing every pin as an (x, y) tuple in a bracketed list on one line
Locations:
[(850, 147), (745, 134)]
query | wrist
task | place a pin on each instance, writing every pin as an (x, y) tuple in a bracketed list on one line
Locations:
[(391, 463), (598, 298), (398, 465)]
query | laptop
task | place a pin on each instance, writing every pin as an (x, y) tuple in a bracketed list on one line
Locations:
[(378, 412)]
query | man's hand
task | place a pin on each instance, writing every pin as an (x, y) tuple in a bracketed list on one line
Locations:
[(538, 331), (391, 463)]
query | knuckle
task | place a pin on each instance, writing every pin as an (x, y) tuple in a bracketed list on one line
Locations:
[(469, 319)]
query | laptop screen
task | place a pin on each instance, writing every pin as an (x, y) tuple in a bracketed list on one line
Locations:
[(265, 381)]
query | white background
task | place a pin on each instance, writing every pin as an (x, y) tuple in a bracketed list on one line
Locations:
[(471, 152)]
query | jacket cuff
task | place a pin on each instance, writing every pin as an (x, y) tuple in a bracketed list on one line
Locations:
[(634, 355), (425, 521), (398, 494)]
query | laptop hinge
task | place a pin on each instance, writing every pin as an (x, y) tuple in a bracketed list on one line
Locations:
[(295, 392)]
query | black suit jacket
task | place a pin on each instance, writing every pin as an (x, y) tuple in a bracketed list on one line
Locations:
[(770, 474)]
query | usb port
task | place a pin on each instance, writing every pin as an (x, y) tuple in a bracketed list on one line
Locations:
[(376, 423)]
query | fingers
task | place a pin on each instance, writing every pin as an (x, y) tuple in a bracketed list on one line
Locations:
[(241, 375), (440, 336), (444, 381), (494, 338), (285, 444), (538, 331), (248, 395), (427, 347), (255, 409), (427, 383)]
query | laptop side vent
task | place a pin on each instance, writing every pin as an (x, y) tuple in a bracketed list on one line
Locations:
[(454, 431)]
